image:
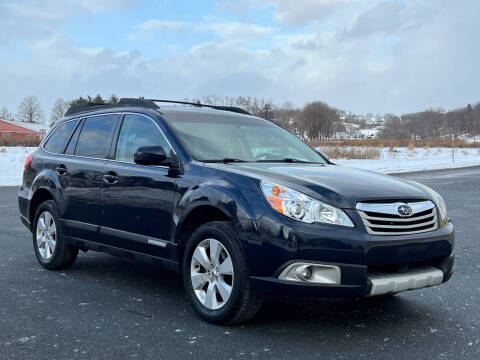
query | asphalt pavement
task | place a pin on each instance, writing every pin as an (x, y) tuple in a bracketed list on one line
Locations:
[(110, 308)]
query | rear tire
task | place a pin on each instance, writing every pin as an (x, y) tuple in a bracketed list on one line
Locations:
[(220, 292), (50, 248)]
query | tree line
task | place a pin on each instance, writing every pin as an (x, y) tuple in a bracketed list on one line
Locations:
[(314, 121), (319, 121), (30, 110), (434, 124)]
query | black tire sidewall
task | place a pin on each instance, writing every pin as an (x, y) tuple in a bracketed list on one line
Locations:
[(233, 247), (51, 207)]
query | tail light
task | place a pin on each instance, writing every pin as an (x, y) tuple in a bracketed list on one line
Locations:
[(28, 161)]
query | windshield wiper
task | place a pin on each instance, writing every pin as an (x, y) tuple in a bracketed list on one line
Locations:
[(224, 160), (286, 160)]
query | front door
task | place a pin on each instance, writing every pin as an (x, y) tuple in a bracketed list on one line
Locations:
[(137, 200)]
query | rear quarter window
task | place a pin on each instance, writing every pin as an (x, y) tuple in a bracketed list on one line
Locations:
[(56, 142)]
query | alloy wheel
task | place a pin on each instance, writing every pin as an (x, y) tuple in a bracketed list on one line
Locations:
[(46, 235), (211, 274)]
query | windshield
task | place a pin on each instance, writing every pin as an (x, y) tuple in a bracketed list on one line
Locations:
[(229, 138)]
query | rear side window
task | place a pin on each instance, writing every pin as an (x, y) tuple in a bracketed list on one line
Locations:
[(93, 139), (138, 131), (56, 142)]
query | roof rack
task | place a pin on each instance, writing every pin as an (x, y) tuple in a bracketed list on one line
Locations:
[(145, 103), (90, 106), (216, 107)]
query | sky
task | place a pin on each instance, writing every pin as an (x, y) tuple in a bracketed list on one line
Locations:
[(394, 56)]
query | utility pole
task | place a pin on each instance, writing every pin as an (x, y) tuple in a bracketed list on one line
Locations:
[(474, 132), (472, 118), (453, 150)]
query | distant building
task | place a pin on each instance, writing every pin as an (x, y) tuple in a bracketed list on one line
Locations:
[(21, 129)]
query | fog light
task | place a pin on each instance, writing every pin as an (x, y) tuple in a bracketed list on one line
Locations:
[(313, 273), (307, 273)]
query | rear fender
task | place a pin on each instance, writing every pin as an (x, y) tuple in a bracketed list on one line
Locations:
[(47, 179)]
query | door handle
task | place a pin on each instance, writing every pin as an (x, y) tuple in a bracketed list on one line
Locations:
[(110, 178), (61, 169)]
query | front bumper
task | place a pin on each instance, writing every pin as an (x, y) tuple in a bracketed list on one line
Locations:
[(363, 280), (273, 242)]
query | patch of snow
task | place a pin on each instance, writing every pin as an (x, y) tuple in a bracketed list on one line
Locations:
[(369, 133), (21, 341), (472, 140), (400, 160), (12, 160), (418, 159)]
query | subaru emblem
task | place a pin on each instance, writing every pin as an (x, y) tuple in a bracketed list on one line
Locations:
[(404, 210)]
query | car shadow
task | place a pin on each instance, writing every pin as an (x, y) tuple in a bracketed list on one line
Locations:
[(335, 314)]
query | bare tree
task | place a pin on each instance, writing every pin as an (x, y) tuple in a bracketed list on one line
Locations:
[(5, 114), (267, 111), (59, 109), (29, 110), (286, 115), (395, 129), (318, 120)]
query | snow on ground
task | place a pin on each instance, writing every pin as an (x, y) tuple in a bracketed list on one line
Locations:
[(418, 159), (12, 160)]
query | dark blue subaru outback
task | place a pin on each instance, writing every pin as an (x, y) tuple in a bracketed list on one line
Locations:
[(236, 204)]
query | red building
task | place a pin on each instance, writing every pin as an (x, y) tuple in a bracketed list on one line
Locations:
[(9, 129)]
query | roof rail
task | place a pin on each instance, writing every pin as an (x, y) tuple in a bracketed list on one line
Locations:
[(145, 103), (90, 106), (141, 102), (87, 106), (217, 107)]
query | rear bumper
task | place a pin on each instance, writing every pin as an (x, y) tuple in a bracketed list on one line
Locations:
[(362, 280), (25, 222), (23, 206)]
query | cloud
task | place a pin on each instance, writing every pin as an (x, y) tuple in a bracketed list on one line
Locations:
[(226, 30), (288, 12), (300, 12), (238, 30), (97, 6), (152, 26), (31, 19), (386, 17), (389, 57)]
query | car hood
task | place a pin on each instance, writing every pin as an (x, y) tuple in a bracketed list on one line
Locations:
[(339, 185)]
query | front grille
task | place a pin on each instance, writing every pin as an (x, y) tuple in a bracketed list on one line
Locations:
[(384, 218)]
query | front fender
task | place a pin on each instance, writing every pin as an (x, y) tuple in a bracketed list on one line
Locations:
[(231, 203)]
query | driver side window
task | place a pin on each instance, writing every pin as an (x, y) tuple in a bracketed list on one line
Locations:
[(138, 131)]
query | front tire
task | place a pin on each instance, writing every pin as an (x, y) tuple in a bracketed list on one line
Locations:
[(216, 276), (49, 245)]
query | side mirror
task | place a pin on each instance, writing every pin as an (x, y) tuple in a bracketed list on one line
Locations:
[(323, 155), (151, 155)]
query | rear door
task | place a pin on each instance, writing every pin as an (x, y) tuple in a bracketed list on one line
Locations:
[(52, 160), (137, 200), (82, 180)]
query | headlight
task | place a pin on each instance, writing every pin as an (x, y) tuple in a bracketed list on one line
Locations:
[(301, 207), (438, 200)]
